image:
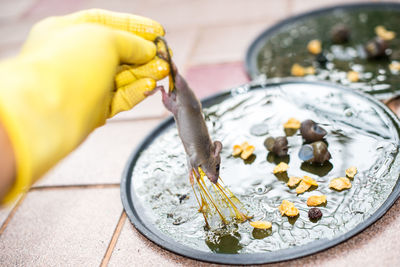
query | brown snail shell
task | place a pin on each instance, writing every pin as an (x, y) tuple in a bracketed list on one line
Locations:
[(311, 131), (315, 152), (376, 48), (340, 34), (278, 145)]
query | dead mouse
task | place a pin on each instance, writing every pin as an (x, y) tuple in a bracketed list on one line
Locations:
[(192, 129)]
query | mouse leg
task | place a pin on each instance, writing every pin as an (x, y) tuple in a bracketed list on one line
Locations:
[(168, 99), (192, 169), (191, 179), (155, 90)]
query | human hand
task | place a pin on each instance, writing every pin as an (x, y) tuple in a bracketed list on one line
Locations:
[(63, 84)]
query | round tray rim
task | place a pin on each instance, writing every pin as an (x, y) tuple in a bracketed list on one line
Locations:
[(133, 211), (256, 45)]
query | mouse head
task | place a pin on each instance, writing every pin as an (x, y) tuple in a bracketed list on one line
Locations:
[(211, 168)]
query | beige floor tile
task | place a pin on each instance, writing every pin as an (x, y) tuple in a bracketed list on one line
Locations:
[(102, 157), (130, 6), (182, 14), (182, 43), (227, 43), (189, 14), (11, 10), (133, 249), (15, 33), (206, 80), (46, 8), (4, 212), (6, 209), (9, 51), (299, 6), (70, 227)]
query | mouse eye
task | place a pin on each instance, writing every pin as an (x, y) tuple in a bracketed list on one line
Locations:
[(217, 167)]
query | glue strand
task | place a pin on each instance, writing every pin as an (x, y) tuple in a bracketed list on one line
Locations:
[(239, 215), (205, 191), (200, 205)]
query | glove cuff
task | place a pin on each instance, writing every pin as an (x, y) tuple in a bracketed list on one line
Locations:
[(23, 179), (16, 133), (39, 127)]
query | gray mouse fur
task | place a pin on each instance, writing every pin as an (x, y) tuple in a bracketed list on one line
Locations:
[(192, 129)]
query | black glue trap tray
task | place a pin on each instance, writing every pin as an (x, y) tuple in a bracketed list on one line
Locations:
[(343, 32), (361, 132)]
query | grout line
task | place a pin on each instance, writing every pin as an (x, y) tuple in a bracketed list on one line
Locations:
[(90, 186), (235, 24), (149, 118), (12, 45), (193, 48), (220, 63), (289, 7), (268, 22), (11, 214), (28, 10), (114, 240), (190, 50)]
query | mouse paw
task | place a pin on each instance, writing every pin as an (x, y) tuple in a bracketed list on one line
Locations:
[(155, 90)]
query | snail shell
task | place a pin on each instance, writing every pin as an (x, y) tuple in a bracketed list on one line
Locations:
[(278, 146), (376, 48), (322, 60), (315, 152), (340, 34), (311, 131)]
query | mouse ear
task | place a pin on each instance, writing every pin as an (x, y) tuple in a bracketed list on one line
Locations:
[(217, 147)]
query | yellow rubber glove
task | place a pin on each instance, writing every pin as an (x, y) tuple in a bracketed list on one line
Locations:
[(63, 84)]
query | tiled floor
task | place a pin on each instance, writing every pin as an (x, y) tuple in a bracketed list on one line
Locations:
[(102, 157), (74, 216)]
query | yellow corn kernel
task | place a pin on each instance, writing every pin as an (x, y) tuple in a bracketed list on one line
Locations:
[(302, 187), (394, 66), (297, 70), (237, 150), (340, 183), (353, 76), (293, 181), (351, 172), (247, 152), (310, 180), (309, 70), (292, 123), (287, 208), (384, 34), (281, 167), (244, 145), (316, 200), (261, 224), (314, 47)]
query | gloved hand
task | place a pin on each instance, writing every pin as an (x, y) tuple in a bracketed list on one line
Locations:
[(63, 84)]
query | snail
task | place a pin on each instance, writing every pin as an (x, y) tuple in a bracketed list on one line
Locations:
[(321, 60), (315, 152), (311, 131), (376, 48), (278, 145), (340, 34)]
